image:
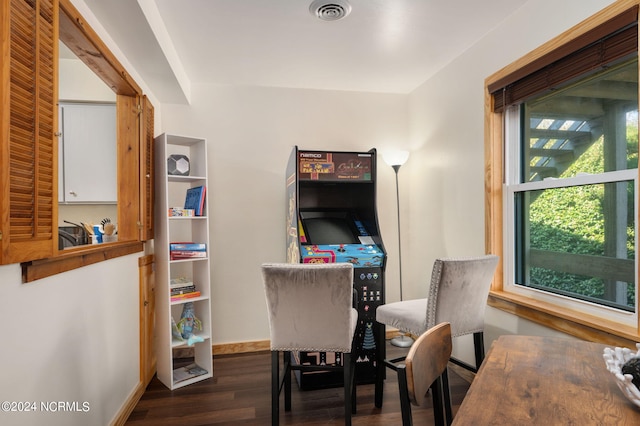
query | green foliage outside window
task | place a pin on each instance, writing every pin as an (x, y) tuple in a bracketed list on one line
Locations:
[(572, 220)]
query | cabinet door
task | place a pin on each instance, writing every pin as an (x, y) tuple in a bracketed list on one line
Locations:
[(89, 153), (147, 319)]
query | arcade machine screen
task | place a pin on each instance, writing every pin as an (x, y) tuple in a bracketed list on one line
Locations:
[(329, 228)]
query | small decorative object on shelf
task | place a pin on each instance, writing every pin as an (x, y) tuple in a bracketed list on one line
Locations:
[(178, 164), (181, 212), (619, 360), (189, 323)]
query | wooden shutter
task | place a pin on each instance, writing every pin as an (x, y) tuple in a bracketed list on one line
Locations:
[(146, 170), (28, 155)]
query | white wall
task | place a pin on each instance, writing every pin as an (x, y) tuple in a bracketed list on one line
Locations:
[(76, 82), (72, 337), (445, 212), (251, 132)]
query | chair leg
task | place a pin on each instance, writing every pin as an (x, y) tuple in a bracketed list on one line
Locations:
[(438, 411), (478, 345), (354, 387), (405, 403), (275, 388), (446, 391), (287, 380), (347, 374)]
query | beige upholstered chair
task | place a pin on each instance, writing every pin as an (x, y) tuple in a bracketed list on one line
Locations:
[(457, 294), (425, 368), (310, 310)]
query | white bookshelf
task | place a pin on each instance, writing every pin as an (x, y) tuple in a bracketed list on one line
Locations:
[(170, 192)]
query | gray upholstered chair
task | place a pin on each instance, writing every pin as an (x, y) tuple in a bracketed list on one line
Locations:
[(425, 368), (310, 310), (457, 294)]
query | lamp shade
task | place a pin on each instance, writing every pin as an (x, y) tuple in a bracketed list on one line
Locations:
[(395, 158)]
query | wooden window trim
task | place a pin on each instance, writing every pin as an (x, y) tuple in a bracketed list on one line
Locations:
[(574, 323), (147, 176), (76, 258), (134, 147)]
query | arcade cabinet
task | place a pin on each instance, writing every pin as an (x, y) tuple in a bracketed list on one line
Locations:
[(331, 217)]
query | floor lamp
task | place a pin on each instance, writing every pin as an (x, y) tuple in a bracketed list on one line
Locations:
[(396, 159)]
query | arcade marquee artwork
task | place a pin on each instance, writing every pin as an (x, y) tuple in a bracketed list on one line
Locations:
[(334, 166)]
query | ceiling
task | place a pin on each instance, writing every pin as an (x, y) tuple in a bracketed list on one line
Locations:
[(387, 46)]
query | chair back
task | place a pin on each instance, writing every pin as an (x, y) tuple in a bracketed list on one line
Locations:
[(458, 293), (310, 306), (427, 360)]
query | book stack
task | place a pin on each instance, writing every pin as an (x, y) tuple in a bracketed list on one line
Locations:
[(182, 288), (195, 199), (179, 251)]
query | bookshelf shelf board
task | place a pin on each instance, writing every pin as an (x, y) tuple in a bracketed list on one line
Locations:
[(175, 343), (194, 259), (177, 178), (190, 299), (186, 217)]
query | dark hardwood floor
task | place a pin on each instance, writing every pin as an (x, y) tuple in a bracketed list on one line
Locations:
[(239, 394)]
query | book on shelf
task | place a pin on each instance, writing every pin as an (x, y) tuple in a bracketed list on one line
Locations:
[(187, 250), (180, 282), (187, 254), (195, 199), (185, 296), (182, 290), (190, 371), (188, 246)]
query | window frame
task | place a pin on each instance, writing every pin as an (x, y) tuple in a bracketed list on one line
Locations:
[(554, 315), (134, 154)]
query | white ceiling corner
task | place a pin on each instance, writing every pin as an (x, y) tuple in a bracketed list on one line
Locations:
[(151, 13), (383, 46)]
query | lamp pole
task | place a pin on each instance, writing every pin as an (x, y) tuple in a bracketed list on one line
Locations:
[(396, 160), (396, 168)]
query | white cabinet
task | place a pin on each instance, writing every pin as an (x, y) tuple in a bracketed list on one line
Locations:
[(171, 192), (87, 153)]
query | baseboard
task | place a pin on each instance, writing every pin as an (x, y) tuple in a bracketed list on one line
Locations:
[(259, 346), (126, 409), (241, 347)]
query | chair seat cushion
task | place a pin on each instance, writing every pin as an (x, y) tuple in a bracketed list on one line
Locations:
[(408, 315)]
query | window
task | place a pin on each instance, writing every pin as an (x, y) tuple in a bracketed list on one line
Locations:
[(562, 161), (28, 160), (570, 192)]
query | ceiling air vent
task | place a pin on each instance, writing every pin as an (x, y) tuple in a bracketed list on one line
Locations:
[(330, 10)]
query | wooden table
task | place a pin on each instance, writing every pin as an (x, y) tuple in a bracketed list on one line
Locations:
[(527, 380)]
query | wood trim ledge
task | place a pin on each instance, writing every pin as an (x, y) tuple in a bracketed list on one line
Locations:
[(578, 324), (38, 269)]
